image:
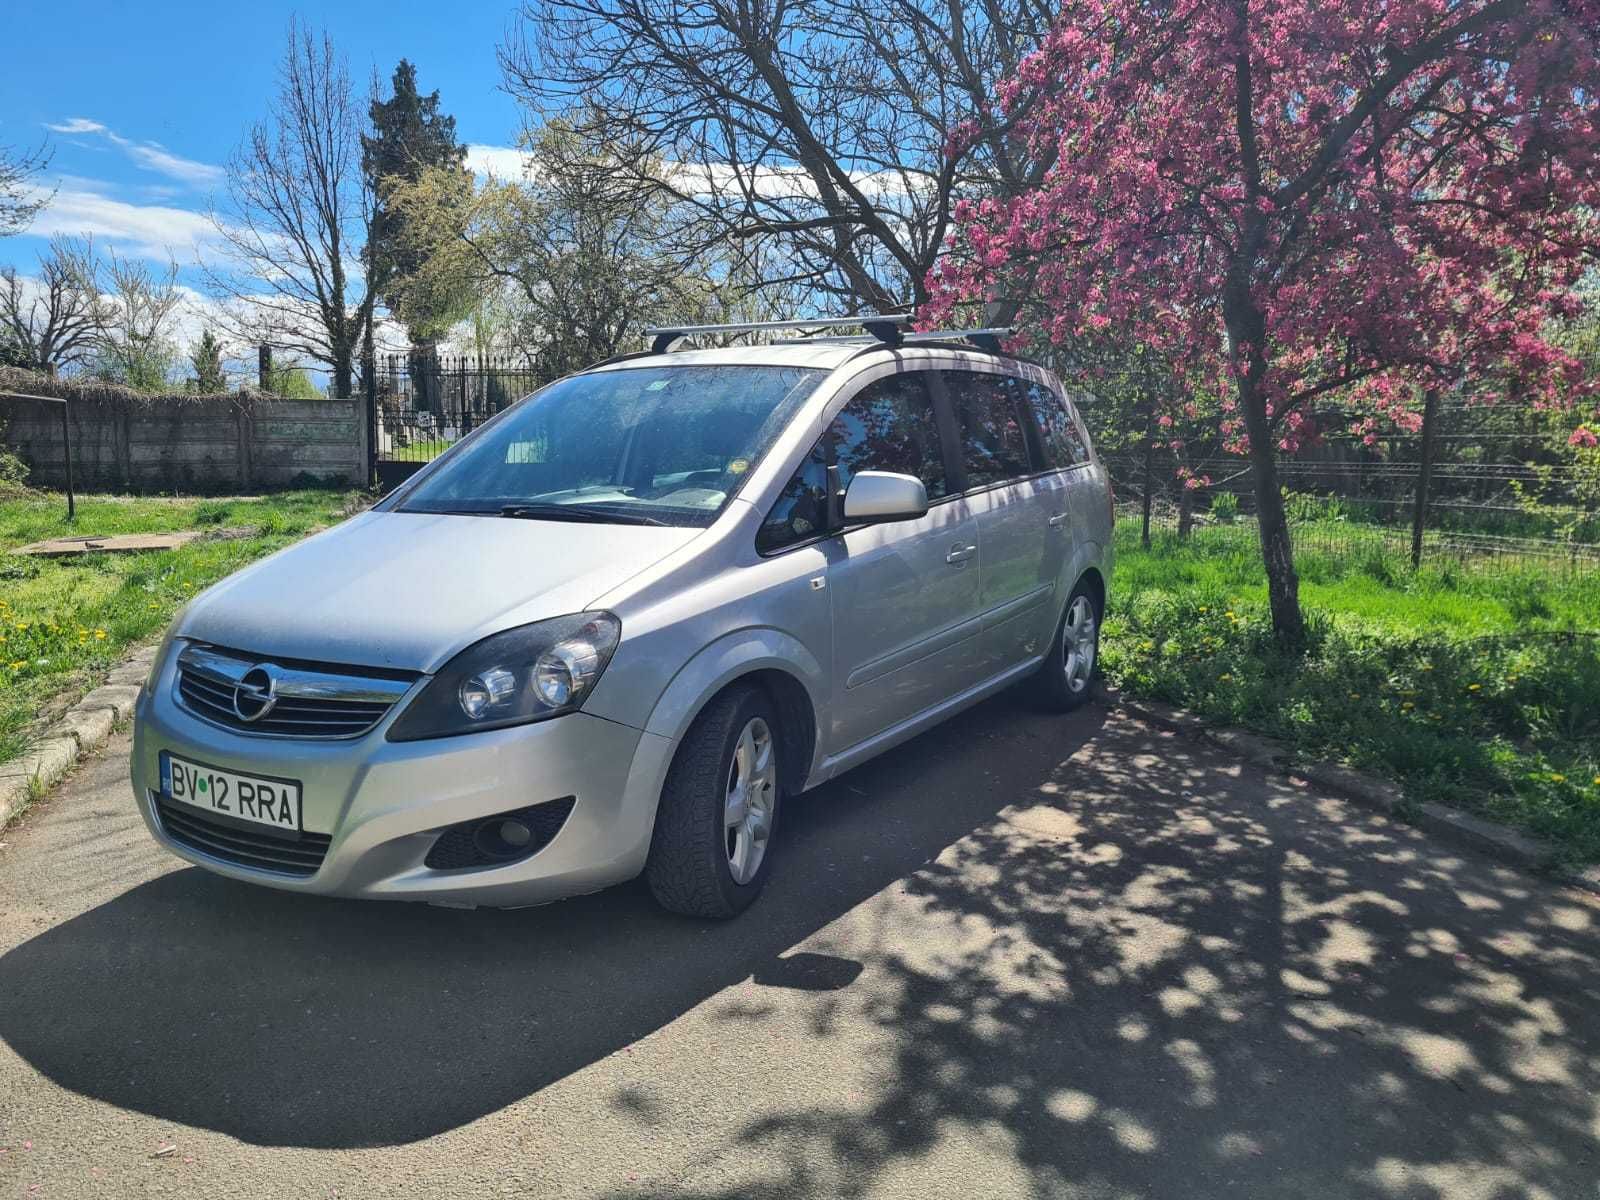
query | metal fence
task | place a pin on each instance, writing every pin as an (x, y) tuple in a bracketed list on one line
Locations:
[(423, 404), (1482, 486)]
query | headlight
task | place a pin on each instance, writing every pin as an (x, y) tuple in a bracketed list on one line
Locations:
[(510, 678)]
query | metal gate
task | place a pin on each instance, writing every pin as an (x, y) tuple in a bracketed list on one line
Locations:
[(422, 404)]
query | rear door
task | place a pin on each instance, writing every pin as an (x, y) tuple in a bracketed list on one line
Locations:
[(1022, 507), (905, 594)]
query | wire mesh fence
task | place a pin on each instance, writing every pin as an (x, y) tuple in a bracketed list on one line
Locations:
[(1486, 489)]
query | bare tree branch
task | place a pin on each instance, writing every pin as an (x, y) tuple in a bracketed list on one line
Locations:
[(298, 216)]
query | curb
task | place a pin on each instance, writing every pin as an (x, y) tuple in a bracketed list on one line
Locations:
[(1448, 824), (80, 731)]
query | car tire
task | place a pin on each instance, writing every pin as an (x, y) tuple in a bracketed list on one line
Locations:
[(708, 856), (1066, 678)]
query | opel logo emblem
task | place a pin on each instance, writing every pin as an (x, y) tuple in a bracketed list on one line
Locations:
[(255, 695)]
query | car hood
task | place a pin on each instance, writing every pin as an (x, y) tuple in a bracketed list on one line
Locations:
[(407, 590)]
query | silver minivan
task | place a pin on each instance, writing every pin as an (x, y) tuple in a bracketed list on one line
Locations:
[(617, 627)]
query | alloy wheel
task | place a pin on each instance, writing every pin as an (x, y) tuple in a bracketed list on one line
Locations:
[(1078, 643), (752, 798)]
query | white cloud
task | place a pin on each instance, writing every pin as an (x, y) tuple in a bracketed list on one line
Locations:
[(155, 231), (76, 125), (503, 162), (152, 156)]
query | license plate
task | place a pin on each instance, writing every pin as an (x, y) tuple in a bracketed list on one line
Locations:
[(265, 801)]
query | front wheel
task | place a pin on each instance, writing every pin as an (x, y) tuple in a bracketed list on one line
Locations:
[(1066, 677), (715, 828)]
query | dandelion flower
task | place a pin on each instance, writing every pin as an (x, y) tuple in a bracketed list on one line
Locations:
[(100, 635), (1557, 777), (1203, 608), (1474, 687)]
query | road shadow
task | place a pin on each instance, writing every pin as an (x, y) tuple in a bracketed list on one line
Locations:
[(1164, 974), (289, 1020)]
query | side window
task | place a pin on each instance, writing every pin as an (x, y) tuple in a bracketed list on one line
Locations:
[(994, 443), (801, 510), (889, 426), (1058, 433)]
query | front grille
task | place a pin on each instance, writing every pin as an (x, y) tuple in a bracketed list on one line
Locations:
[(474, 843), (309, 701), (286, 853)]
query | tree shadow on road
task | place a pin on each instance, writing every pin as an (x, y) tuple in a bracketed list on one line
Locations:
[(1161, 974), (1118, 964)]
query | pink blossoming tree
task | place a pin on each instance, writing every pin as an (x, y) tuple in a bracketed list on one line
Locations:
[(1313, 202)]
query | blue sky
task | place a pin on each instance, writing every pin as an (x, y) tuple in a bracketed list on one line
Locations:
[(148, 99)]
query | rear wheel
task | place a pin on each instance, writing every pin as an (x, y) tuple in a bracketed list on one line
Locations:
[(712, 847), (1066, 677)]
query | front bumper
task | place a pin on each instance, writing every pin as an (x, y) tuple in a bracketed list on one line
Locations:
[(383, 803)]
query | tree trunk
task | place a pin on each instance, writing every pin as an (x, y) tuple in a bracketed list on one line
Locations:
[(1185, 512), (1277, 555), (1247, 339), (342, 372)]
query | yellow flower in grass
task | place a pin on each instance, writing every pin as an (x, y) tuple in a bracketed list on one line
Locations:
[(1203, 608), (1557, 777), (100, 635), (1474, 687), (1597, 781), (18, 665)]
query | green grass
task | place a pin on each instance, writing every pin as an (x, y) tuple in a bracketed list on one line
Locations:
[(1477, 686), (64, 622)]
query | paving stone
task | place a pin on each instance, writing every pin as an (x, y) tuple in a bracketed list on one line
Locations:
[(117, 697), (89, 726), (47, 762)]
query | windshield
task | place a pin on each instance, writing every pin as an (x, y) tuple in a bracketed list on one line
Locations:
[(652, 445)]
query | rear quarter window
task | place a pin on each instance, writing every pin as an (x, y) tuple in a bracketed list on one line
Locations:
[(1059, 437)]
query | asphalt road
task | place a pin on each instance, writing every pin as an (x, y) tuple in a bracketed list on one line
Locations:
[(1021, 956)]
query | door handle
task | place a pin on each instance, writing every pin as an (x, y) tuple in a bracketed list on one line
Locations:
[(1057, 521), (959, 554)]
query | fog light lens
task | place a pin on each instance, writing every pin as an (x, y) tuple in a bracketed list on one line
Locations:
[(486, 689), (515, 833)]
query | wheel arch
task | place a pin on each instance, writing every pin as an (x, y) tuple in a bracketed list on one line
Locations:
[(769, 659)]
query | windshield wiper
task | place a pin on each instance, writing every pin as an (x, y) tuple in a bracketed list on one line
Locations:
[(573, 512)]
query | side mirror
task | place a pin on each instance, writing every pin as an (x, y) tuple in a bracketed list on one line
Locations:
[(884, 496)]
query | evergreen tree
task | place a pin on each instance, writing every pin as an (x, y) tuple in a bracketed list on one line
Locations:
[(206, 359), (409, 137)]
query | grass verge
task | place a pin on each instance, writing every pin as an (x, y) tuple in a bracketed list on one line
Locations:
[(63, 622), (1475, 688)]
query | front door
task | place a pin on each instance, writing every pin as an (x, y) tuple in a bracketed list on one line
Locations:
[(906, 594)]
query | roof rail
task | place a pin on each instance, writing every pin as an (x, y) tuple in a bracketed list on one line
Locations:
[(987, 340), (886, 329)]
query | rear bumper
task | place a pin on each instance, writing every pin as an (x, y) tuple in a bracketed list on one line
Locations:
[(382, 804)]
